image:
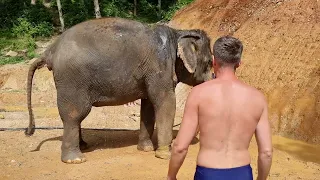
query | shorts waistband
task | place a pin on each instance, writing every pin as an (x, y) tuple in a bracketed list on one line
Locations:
[(226, 169)]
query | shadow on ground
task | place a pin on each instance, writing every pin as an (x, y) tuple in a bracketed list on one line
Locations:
[(303, 151), (104, 139)]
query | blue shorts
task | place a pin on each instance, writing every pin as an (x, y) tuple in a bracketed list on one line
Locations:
[(237, 173)]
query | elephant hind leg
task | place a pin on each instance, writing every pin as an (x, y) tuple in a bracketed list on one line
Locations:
[(82, 143), (147, 122), (73, 108)]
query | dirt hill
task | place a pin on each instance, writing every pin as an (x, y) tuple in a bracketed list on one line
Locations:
[(281, 54)]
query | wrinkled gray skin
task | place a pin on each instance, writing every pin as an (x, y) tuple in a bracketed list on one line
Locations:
[(113, 61)]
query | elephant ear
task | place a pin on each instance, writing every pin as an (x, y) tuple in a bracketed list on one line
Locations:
[(187, 49)]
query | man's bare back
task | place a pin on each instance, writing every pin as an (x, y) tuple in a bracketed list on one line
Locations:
[(227, 113), (228, 116)]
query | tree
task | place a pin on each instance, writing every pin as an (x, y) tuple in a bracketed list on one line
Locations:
[(60, 15), (159, 9), (135, 8), (97, 8)]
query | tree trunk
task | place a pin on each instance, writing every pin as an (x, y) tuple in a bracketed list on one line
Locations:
[(97, 9), (33, 2), (60, 15), (135, 8), (159, 9)]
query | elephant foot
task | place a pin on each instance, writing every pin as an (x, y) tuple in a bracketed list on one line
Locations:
[(163, 152), (83, 145), (73, 158), (145, 146)]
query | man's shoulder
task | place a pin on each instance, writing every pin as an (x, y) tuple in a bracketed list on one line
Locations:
[(254, 91), (200, 89), (258, 94), (204, 86)]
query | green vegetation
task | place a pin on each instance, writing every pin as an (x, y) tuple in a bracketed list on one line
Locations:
[(22, 23)]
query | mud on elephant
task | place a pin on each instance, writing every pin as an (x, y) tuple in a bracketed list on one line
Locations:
[(113, 61)]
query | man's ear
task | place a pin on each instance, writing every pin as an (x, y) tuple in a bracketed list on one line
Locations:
[(238, 64), (213, 61)]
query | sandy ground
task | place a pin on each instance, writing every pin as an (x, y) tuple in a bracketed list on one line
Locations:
[(114, 155)]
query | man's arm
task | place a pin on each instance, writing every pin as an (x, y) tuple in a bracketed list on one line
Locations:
[(185, 135), (263, 137)]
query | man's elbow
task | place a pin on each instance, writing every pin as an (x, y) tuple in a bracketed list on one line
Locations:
[(179, 149), (266, 154)]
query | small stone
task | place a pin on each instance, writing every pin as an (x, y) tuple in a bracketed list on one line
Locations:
[(12, 53), (23, 51), (1, 116), (31, 61), (13, 161)]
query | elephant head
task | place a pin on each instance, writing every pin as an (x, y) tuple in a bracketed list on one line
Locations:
[(194, 57)]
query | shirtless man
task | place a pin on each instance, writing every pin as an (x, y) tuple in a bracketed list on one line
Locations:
[(228, 113)]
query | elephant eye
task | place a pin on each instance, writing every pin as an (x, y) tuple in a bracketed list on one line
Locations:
[(194, 47)]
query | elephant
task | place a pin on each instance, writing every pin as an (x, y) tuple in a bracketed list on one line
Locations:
[(113, 61)]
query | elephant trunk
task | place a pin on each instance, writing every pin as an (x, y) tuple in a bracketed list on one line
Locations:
[(37, 64)]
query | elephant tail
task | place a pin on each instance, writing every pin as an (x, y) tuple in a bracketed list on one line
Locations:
[(37, 64)]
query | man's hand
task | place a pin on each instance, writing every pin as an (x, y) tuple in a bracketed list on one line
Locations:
[(171, 178)]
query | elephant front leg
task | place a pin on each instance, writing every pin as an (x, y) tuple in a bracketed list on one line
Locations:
[(165, 109), (147, 120)]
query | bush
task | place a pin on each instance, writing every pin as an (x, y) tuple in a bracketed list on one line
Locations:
[(167, 15), (43, 29), (11, 10), (10, 60), (25, 28), (17, 44), (116, 8)]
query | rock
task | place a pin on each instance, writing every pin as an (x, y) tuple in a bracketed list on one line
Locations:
[(31, 61), (23, 52), (1, 116), (12, 53)]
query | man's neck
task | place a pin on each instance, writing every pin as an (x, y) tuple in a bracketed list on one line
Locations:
[(226, 74)]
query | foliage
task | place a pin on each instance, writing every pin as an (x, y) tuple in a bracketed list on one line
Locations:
[(75, 11), (10, 60), (12, 10), (25, 43), (167, 15), (25, 28), (22, 23)]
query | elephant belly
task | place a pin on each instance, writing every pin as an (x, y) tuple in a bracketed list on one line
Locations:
[(114, 101), (113, 95)]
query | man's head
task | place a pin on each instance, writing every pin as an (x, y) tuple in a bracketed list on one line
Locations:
[(227, 53)]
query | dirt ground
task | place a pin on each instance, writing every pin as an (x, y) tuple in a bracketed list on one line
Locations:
[(281, 58), (112, 154)]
